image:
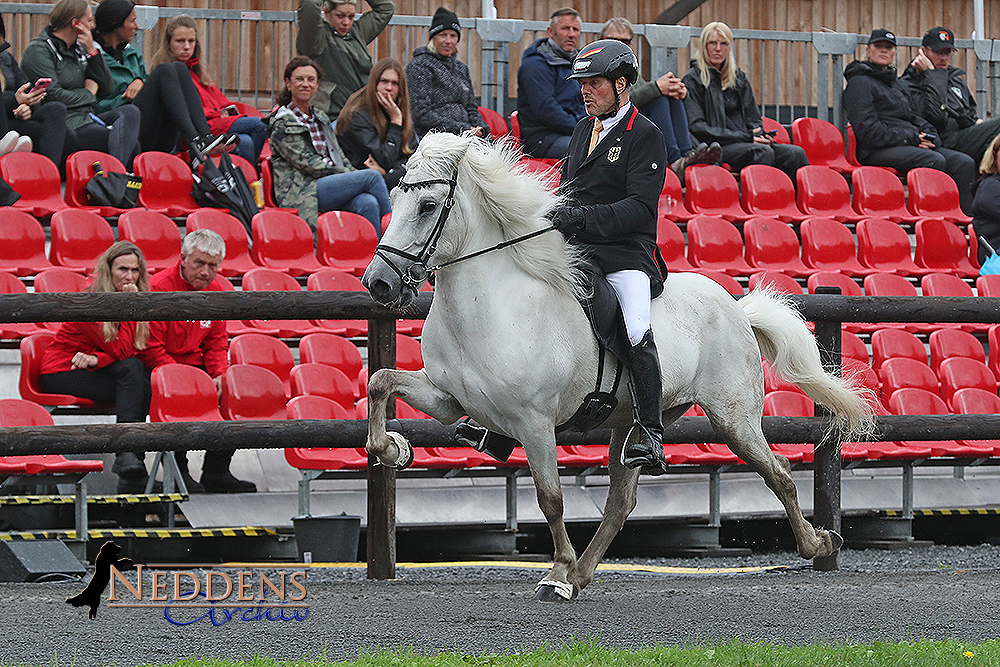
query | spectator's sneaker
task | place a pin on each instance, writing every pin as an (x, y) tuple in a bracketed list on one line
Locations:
[(23, 145), (204, 145), (224, 482), (9, 142)]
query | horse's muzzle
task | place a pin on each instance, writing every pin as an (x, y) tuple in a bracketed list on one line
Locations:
[(385, 286)]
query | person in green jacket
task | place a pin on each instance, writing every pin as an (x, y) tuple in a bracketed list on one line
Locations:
[(330, 35)]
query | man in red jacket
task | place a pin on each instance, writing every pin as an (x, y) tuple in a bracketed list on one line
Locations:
[(204, 344)]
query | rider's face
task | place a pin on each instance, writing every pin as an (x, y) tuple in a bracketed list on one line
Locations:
[(598, 95)]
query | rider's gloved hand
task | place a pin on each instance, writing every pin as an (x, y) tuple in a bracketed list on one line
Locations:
[(569, 219)]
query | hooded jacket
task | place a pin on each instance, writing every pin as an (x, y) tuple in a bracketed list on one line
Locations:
[(47, 56), (548, 104), (441, 93), (709, 119), (941, 97), (126, 65), (878, 107)]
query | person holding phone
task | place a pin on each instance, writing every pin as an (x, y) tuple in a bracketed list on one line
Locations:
[(32, 124), (721, 107), (180, 44)]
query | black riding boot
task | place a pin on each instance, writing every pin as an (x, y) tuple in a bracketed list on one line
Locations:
[(216, 477), (644, 443)]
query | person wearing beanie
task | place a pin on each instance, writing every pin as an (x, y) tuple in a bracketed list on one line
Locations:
[(166, 97), (940, 95), (889, 132), (441, 94)]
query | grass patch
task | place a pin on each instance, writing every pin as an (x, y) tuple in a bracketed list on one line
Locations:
[(731, 654)]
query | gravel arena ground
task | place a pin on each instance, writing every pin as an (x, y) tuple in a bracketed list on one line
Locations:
[(933, 593)]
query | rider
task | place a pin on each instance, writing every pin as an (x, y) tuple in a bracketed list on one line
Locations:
[(612, 178)]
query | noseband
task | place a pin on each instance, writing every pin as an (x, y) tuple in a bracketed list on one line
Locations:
[(418, 272)]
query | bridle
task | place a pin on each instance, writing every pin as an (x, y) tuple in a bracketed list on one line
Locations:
[(418, 272)]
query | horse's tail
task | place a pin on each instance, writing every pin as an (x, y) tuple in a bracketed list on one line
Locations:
[(790, 347)]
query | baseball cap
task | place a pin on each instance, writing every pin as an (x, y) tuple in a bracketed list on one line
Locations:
[(939, 38), (882, 35)]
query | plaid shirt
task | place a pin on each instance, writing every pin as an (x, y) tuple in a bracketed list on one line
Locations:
[(319, 141)]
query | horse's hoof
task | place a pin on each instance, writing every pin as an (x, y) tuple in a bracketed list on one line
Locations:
[(548, 590), (405, 451), (836, 541)]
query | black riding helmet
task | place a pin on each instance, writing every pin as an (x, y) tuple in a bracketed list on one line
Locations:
[(608, 58)]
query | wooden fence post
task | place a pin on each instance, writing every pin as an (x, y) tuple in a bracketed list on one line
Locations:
[(381, 531), (826, 467)]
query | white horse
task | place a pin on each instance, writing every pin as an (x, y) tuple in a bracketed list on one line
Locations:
[(507, 343)]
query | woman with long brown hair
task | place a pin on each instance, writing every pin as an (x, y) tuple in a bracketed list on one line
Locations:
[(375, 128), (109, 362)]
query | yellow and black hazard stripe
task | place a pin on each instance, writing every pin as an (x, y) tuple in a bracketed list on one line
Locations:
[(118, 499), (159, 533), (953, 512)]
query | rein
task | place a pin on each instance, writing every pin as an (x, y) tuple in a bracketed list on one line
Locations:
[(417, 273)]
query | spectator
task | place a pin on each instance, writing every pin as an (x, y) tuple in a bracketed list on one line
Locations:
[(940, 95), (43, 126), (329, 34), (180, 44), (375, 127), (65, 52), (311, 172), (549, 105), (109, 362), (443, 96), (167, 97), (662, 101), (203, 344), (986, 204), (721, 107), (889, 133)]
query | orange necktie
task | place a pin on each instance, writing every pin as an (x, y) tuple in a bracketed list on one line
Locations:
[(595, 135)]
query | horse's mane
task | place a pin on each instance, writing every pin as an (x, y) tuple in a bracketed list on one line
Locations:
[(508, 195)]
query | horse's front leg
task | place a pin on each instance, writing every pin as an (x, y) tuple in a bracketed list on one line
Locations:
[(392, 449), (621, 501), (557, 585)]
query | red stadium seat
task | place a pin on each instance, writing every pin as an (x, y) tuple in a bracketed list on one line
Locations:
[(848, 286), (309, 406), (671, 202), (32, 349), (948, 284), (497, 124), (9, 284), (851, 346), (515, 126), (988, 285), (780, 282), (712, 191), (18, 412), (950, 343), (896, 343), (933, 194), (283, 241), (823, 192), (252, 392), (974, 401), (237, 260), (321, 458), (960, 372), (890, 284), (714, 243), (183, 393), (942, 246), (264, 351), (23, 241), (900, 373), (730, 284), (670, 240), (822, 142), (322, 380), (155, 234), (332, 350), (781, 134), (790, 404), (769, 192), (79, 171), (267, 185), (828, 245), (271, 280), (58, 279), (914, 401), (852, 148), (879, 194), (166, 183), (346, 241), (36, 179), (773, 245), (337, 280), (885, 245), (78, 239)]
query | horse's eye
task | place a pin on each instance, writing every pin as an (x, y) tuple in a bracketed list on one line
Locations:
[(427, 206)]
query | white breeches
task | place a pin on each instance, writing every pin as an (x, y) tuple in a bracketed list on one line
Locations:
[(632, 288)]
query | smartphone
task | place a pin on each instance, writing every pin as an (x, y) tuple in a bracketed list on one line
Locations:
[(769, 133), (41, 84), (231, 110)]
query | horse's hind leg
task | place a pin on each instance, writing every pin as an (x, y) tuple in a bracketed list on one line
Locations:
[(747, 441), (621, 501)]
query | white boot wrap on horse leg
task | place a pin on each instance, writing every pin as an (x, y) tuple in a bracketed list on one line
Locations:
[(404, 451), (563, 589)]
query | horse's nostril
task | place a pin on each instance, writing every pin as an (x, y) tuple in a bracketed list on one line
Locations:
[(380, 291)]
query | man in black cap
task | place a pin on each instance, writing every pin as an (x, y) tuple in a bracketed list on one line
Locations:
[(940, 95)]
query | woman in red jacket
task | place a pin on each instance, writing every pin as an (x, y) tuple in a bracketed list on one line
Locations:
[(109, 362), (180, 43)]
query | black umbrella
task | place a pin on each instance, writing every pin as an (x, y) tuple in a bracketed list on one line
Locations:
[(224, 185)]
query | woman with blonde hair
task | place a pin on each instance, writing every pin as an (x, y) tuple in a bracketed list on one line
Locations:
[(986, 204), (109, 362), (720, 106), (180, 44), (375, 128)]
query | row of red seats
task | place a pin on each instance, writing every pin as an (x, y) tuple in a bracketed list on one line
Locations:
[(281, 240), (826, 245), (819, 191)]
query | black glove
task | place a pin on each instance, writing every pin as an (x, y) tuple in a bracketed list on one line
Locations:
[(569, 219)]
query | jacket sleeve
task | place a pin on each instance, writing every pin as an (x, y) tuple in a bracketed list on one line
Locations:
[(216, 349), (154, 355), (538, 81), (373, 22), (927, 94), (107, 351), (751, 112), (40, 62), (9, 101), (870, 130), (362, 137), (293, 144), (695, 104), (309, 40), (986, 204), (421, 84), (97, 69), (644, 92)]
